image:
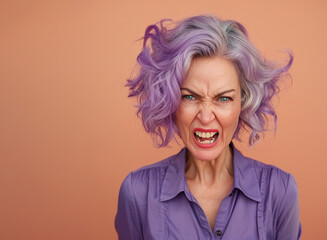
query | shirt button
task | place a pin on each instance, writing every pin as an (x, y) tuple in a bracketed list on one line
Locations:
[(219, 233)]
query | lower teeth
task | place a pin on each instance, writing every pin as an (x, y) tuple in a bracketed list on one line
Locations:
[(206, 141)]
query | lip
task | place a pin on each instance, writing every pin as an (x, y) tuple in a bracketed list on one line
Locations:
[(205, 130), (206, 145)]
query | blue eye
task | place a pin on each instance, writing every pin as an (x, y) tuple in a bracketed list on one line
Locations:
[(223, 99), (188, 97)]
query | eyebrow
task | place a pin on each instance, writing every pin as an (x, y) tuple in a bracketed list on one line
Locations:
[(217, 95)]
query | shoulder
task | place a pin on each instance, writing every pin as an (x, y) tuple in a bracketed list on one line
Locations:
[(155, 170), (279, 205), (277, 180), (280, 201), (139, 190), (278, 191), (258, 178), (149, 176), (273, 184)]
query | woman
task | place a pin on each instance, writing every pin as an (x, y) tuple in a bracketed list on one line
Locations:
[(204, 81)]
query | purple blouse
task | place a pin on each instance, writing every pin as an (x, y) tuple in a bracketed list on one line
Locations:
[(155, 203)]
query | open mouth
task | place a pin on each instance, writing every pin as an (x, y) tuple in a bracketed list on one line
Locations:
[(205, 137)]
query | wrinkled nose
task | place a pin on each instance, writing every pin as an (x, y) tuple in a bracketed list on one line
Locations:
[(205, 114)]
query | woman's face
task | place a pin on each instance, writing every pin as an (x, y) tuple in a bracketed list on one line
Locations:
[(209, 111)]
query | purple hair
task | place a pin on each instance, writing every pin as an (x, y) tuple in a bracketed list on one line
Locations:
[(164, 63)]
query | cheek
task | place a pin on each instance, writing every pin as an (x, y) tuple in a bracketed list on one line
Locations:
[(184, 118), (230, 119)]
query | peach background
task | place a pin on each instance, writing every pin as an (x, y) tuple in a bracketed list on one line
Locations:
[(69, 135)]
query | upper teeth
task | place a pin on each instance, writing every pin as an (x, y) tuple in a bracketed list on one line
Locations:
[(205, 134)]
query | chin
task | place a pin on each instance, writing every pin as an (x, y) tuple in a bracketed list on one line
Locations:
[(205, 154), (208, 154)]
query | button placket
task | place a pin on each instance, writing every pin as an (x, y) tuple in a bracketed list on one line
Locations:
[(224, 214)]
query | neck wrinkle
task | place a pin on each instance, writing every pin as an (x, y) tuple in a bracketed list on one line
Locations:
[(210, 172)]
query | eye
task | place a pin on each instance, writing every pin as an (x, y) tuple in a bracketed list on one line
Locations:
[(188, 97), (225, 99)]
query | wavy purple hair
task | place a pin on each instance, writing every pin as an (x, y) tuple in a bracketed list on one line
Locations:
[(164, 63)]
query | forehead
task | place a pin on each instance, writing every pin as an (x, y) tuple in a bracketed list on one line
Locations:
[(211, 73)]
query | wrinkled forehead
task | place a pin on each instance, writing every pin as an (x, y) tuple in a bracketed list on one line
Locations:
[(211, 74)]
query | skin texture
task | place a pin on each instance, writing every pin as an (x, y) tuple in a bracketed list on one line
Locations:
[(211, 99)]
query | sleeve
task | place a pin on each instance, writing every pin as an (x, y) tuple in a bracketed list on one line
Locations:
[(288, 223), (127, 223)]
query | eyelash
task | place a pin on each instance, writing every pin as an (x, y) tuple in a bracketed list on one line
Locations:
[(191, 98), (227, 99), (187, 97)]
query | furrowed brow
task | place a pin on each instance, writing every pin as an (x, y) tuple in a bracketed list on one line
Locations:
[(192, 92), (224, 92)]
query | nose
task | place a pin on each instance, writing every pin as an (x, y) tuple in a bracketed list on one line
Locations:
[(205, 115)]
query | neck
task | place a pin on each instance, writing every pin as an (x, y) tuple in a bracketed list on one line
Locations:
[(210, 172)]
